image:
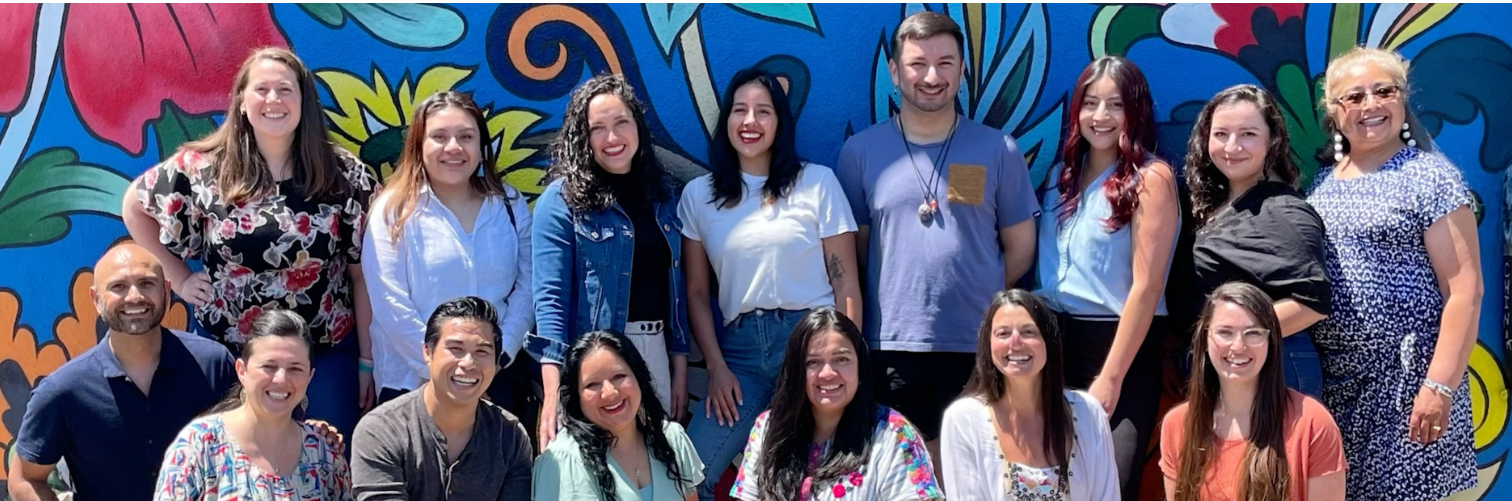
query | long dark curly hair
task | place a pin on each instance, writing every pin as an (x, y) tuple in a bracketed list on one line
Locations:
[(728, 187), (584, 187), (595, 442), (790, 426), (1210, 188), (1136, 144)]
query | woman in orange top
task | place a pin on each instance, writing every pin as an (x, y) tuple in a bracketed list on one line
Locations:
[(1242, 434)]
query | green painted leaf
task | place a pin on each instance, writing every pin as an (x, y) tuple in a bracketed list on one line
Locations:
[(175, 127), (1298, 101), (1344, 28), (328, 14), (795, 14), (403, 25), (48, 188), (1115, 28)]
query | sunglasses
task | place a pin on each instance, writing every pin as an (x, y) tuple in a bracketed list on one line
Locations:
[(1252, 337), (1357, 98)]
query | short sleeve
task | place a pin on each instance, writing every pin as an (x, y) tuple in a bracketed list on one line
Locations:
[(747, 486), (1170, 441), (1300, 232), (185, 467), (688, 206), (354, 212), (688, 462), (903, 470), (851, 173), (44, 434), (1325, 445), (559, 475), (831, 208), (172, 192), (1443, 189), (1016, 202)]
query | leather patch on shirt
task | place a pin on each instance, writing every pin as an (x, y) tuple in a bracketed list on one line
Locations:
[(967, 184)]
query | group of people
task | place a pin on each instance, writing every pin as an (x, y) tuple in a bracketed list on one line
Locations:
[(863, 327)]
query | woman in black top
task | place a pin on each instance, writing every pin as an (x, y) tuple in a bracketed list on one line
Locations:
[(1252, 223)]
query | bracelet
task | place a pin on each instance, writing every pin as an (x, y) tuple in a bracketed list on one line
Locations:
[(1444, 390), (365, 365)]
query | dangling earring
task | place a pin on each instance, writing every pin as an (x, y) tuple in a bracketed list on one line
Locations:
[(1338, 147), (1407, 135)]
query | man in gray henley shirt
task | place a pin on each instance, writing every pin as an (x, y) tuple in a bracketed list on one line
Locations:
[(442, 441)]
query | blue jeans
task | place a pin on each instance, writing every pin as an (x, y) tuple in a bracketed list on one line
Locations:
[(332, 394), (1302, 370), (753, 346)]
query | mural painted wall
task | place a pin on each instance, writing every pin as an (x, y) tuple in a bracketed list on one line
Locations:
[(91, 95)]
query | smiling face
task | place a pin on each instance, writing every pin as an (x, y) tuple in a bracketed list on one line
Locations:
[(275, 374), (608, 391), (129, 292), (612, 133), (833, 373), (452, 147), (753, 122), (1018, 346), (1237, 344), (271, 100), (1375, 121), (463, 362), (1238, 141), (927, 72), (1101, 118)]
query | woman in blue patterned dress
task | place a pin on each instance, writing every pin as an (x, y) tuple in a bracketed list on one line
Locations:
[(1402, 257)]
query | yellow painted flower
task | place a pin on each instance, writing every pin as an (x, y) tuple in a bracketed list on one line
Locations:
[(1488, 397), (371, 119)]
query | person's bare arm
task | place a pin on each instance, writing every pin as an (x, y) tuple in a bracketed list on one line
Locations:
[(840, 264), (1295, 317), (1019, 246), (28, 481)]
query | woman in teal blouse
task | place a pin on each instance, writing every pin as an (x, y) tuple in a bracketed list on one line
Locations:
[(617, 442)]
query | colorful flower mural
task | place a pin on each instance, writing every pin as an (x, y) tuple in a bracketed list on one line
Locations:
[(91, 95)]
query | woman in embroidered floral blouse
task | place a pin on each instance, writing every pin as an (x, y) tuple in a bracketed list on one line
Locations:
[(988, 452), (275, 213), (825, 437), (249, 448)]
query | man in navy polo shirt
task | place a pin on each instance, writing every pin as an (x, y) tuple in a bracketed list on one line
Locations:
[(113, 410)]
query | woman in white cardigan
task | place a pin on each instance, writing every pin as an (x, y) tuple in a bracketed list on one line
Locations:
[(1017, 433), (444, 227)]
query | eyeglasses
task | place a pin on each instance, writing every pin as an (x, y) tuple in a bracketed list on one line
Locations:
[(1356, 99), (1253, 337)]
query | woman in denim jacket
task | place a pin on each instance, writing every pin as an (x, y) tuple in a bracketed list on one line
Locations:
[(590, 272)]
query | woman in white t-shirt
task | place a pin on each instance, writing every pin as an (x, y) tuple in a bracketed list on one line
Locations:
[(1017, 432), (778, 234)]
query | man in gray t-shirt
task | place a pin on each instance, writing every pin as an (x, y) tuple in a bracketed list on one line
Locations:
[(947, 220), (442, 441)]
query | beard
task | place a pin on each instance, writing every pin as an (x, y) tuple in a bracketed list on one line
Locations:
[(117, 321), (928, 105)]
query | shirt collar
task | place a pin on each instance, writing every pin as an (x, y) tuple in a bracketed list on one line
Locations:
[(172, 355)]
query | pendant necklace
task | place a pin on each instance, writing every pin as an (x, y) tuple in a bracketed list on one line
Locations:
[(931, 205)]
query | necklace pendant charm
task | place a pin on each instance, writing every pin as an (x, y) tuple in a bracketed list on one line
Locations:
[(926, 213)]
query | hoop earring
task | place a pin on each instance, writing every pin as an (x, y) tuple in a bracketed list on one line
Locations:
[(1407, 135), (1338, 147)]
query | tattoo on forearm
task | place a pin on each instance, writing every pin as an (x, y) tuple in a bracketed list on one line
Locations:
[(833, 266)]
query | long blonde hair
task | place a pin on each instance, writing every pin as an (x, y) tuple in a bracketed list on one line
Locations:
[(241, 173)]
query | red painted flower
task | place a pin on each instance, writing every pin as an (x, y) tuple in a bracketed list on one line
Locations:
[(122, 61), (838, 490), (1238, 30)]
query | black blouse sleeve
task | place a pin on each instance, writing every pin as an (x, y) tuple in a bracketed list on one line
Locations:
[(1294, 232)]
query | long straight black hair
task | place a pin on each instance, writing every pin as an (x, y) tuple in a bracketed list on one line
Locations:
[(727, 186), (594, 441), (790, 426), (988, 384)]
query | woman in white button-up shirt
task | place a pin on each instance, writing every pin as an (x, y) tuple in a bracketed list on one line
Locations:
[(444, 227)]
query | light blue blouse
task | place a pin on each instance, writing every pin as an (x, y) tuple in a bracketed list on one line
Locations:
[(1083, 269)]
